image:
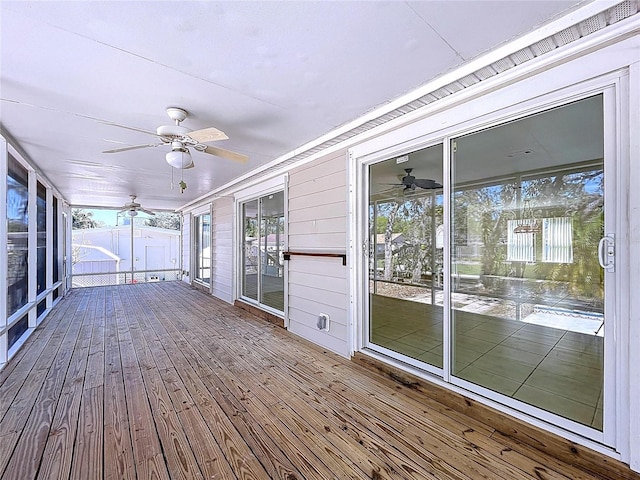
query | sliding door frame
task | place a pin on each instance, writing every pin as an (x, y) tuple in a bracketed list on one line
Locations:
[(467, 118), (255, 192)]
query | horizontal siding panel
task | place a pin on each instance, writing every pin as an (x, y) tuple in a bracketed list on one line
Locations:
[(330, 284), (324, 226), (335, 194), (224, 296), (222, 251), (320, 184), (336, 330), (323, 339), (326, 267), (326, 210), (326, 242), (319, 168), (323, 297), (223, 224), (337, 316), (222, 276)]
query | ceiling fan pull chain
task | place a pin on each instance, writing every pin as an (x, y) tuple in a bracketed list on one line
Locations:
[(183, 186)]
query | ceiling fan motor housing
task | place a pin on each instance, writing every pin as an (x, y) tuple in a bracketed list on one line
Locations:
[(172, 131)]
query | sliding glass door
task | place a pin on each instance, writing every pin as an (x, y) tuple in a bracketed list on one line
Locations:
[(263, 233), (521, 314)]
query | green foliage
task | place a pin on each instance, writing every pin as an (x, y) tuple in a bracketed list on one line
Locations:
[(82, 219), (167, 220), (480, 222)]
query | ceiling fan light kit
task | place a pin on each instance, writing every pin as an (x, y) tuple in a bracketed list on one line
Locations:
[(131, 208), (179, 158), (181, 138)]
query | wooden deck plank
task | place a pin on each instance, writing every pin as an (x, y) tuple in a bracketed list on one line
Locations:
[(177, 452), (276, 464), (274, 403), (461, 428), (401, 462), (58, 451), (36, 414), (116, 435), (14, 374), (162, 381), (147, 452)]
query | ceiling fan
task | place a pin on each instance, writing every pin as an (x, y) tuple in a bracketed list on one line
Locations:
[(132, 208), (409, 182), (180, 138)]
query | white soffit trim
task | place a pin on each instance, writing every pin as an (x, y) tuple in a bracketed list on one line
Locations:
[(578, 24)]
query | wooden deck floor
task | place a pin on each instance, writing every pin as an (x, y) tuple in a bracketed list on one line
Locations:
[(162, 381)]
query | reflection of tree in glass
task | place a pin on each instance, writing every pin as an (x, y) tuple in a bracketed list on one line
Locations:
[(82, 219), (479, 227), (167, 220), (579, 196)]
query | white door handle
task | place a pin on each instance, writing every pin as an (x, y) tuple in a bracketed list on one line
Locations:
[(606, 252)]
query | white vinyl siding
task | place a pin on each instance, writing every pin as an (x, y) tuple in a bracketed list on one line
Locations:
[(222, 249), (318, 223), (186, 246)]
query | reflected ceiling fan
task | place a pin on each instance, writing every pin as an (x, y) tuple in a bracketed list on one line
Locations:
[(180, 139), (409, 182), (132, 208)]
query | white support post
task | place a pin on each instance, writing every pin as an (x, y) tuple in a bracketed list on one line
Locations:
[(3, 253), (634, 275), (32, 262)]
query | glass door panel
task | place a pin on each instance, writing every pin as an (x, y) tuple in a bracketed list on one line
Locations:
[(527, 292), (271, 248), (203, 248), (406, 241), (250, 250)]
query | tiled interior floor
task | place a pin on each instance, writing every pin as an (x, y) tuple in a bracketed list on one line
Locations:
[(554, 369)]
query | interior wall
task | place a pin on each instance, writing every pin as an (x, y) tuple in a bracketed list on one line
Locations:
[(318, 223)]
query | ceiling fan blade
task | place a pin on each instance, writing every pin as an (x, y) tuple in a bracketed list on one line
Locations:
[(133, 147), (426, 183), (144, 210), (221, 152), (210, 134)]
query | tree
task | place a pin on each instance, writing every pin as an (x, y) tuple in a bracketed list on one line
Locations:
[(82, 219), (167, 220)]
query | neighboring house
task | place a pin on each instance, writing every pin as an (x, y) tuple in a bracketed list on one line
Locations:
[(397, 240)]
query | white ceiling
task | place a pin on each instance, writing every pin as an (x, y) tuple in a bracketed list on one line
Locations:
[(271, 75)]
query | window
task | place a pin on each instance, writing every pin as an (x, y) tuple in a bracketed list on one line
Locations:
[(557, 240), (17, 236), (56, 258), (41, 214)]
